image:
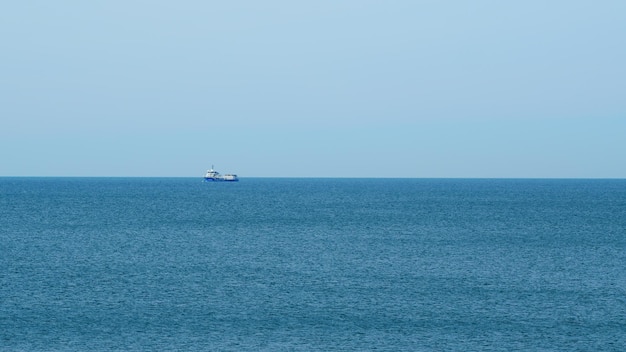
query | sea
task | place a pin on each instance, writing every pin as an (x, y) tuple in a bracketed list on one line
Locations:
[(312, 264)]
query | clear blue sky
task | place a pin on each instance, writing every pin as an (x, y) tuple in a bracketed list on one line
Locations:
[(351, 88)]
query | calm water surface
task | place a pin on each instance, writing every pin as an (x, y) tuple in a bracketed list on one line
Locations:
[(143, 264)]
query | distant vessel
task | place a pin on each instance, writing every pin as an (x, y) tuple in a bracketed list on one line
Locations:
[(214, 176)]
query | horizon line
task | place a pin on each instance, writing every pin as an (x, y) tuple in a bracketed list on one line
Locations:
[(342, 177)]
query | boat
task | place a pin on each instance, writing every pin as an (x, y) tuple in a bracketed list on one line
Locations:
[(214, 176)]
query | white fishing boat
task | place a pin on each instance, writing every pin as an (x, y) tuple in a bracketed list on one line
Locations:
[(214, 176)]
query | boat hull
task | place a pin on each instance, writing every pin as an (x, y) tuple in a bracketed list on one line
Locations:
[(208, 179)]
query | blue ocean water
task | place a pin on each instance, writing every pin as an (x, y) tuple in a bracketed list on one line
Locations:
[(144, 264)]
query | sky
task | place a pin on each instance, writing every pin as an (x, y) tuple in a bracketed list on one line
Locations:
[(353, 88)]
